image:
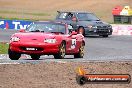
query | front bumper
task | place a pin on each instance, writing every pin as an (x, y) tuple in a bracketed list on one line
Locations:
[(98, 31), (40, 48)]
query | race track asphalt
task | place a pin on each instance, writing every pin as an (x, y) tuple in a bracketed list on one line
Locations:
[(6, 34), (113, 48)]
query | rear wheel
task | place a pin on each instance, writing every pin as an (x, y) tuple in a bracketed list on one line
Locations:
[(81, 31), (35, 57), (62, 51), (80, 54), (13, 55)]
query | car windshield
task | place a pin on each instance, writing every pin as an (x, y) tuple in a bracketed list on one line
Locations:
[(47, 27), (87, 17), (62, 15)]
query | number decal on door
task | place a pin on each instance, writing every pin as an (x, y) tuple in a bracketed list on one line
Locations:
[(73, 45)]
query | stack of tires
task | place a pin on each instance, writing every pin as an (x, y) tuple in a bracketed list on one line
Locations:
[(122, 15)]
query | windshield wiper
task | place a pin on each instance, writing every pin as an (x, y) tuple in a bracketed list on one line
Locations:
[(97, 20), (85, 20), (36, 31), (58, 32), (41, 31)]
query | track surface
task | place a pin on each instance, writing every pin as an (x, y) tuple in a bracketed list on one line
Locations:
[(6, 34), (114, 48)]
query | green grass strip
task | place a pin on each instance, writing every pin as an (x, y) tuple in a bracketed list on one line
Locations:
[(4, 48)]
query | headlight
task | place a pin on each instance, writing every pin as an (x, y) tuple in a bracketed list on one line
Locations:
[(15, 39), (92, 27), (109, 26), (50, 40)]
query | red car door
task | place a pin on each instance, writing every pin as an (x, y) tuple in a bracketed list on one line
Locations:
[(72, 44)]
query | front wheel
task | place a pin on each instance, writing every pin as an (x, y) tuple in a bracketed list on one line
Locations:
[(13, 55), (105, 36), (35, 57), (62, 51), (80, 54)]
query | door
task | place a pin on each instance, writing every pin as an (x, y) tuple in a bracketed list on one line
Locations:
[(72, 43)]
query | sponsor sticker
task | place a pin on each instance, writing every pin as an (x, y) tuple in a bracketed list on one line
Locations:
[(83, 78), (73, 45)]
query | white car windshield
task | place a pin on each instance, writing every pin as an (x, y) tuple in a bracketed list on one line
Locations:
[(47, 27)]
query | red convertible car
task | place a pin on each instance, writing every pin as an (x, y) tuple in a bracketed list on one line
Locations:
[(46, 38)]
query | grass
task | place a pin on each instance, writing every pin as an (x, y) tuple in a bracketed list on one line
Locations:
[(26, 19), (38, 14), (15, 18), (46, 9), (26, 13), (23, 15), (3, 48)]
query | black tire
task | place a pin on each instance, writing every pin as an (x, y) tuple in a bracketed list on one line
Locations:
[(35, 57), (81, 80), (105, 36), (80, 54), (81, 31), (13, 55), (62, 51)]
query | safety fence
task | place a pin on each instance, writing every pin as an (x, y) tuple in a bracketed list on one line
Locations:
[(14, 24), (118, 29)]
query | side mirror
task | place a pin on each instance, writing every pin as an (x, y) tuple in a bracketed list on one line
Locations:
[(22, 30), (74, 19), (74, 33)]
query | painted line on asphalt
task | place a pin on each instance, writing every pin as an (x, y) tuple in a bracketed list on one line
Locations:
[(4, 59), (9, 63)]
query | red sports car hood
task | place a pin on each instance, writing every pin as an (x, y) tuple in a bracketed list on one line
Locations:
[(29, 36)]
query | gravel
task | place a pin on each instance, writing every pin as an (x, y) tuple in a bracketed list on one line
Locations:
[(59, 74)]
